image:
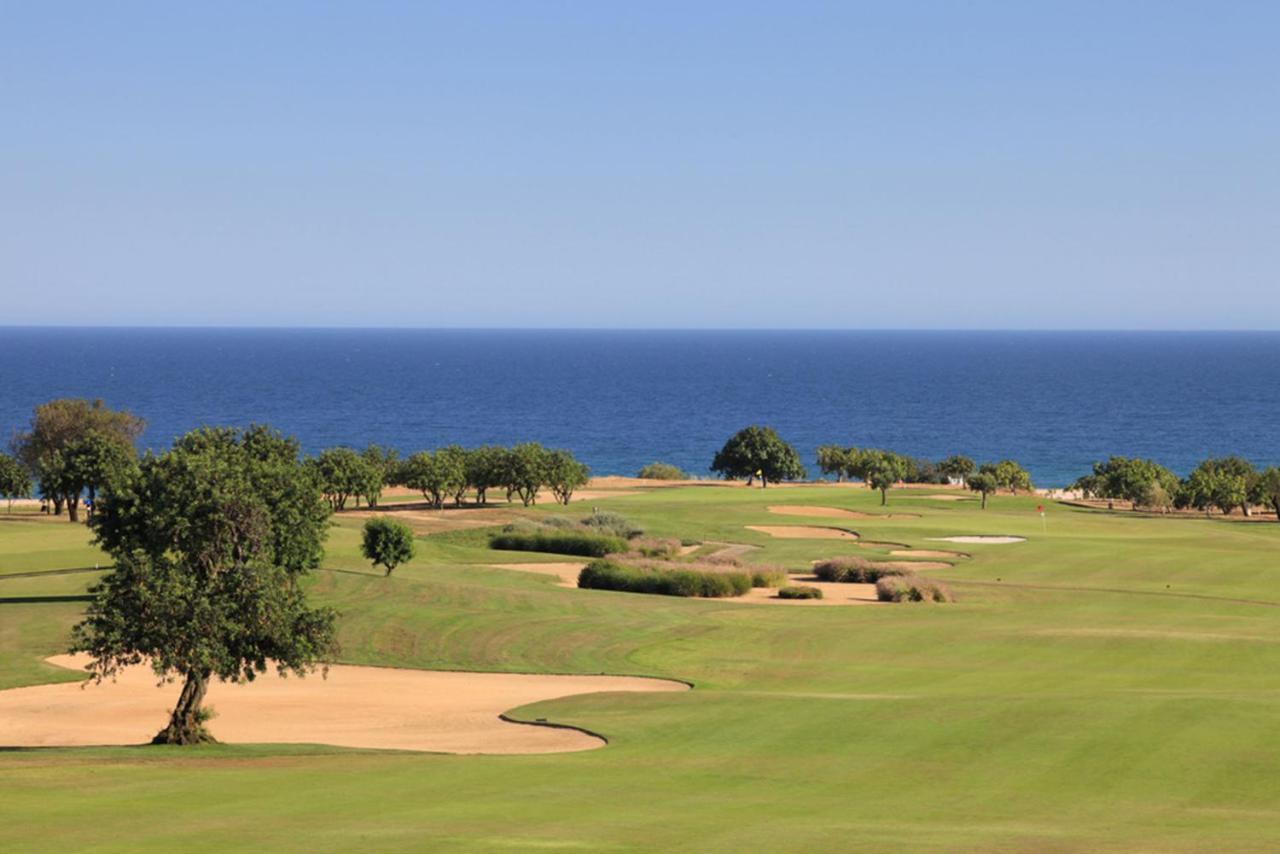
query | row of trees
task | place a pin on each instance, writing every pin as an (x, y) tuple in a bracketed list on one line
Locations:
[(523, 470), (78, 447), (881, 469), (1222, 483)]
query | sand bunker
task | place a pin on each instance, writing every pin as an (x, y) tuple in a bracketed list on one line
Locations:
[(566, 572), (372, 707), (982, 538), (803, 532), (834, 512), (948, 497), (927, 553), (833, 593)]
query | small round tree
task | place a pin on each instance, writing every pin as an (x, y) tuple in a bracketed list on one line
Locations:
[(387, 542), (14, 480), (984, 482)]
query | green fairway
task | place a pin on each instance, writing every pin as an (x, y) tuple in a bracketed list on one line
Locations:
[(1112, 683)]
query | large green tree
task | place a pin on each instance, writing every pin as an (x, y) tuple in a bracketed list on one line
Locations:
[(957, 466), (436, 475), (1012, 476), (526, 471), (14, 480), (758, 452), (1225, 483), (1267, 489), (58, 425), (210, 540), (342, 474)]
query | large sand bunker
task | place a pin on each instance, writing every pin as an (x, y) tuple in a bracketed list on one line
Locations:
[(371, 707), (948, 497), (926, 553), (803, 532), (833, 593), (834, 512), (982, 538)]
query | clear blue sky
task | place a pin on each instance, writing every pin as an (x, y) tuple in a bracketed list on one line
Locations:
[(950, 164)]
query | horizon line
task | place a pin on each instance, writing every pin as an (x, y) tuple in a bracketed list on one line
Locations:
[(393, 328)]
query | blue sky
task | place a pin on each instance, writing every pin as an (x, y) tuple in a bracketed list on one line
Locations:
[(889, 165)]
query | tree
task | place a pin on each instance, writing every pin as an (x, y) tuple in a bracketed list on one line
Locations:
[(886, 470), (1267, 488), (435, 475), (1222, 483), (387, 542), (210, 540), (54, 427), (957, 466), (381, 465), (758, 452), (14, 480), (1012, 476), (662, 471), (453, 464), (565, 474), (91, 463), (526, 471), (833, 460), (341, 473), (1144, 483), (486, 469), (984, 482)]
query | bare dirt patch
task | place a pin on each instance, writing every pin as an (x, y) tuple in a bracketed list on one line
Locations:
[(803, 532), (369, 707), (833, 512), (423, 521)]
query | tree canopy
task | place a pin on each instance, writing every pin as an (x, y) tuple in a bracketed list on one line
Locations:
[(1145, 483), (14, 480), (209, 540), (387, 542), (758, 452), (1225, 483), (984, 482), (73, 426)]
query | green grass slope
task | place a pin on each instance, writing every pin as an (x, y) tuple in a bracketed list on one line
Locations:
[(1111, 684)]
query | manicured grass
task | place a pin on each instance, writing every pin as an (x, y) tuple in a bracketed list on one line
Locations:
[(1111, 684)]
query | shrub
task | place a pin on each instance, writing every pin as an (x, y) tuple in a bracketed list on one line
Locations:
[(558, 522), (557, 542), (609, 575), (658, 548), (799, 592), (767, 576), (613, 524), (662, 471), (758, 576), (854, 570), (912, 588)]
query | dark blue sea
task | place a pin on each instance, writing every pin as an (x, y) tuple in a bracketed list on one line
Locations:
[(1056, 401)]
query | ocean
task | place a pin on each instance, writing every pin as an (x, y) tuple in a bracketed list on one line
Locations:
[(1055, 401)]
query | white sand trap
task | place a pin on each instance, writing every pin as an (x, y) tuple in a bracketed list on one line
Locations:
[(951, 497), (566, 572), (982, 538), (833, 593), (803, 532), (371, 707), (927, 553), (833, 512), (912, 565)]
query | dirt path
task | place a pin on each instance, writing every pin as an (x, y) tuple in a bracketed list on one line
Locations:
[(566, 572), (371, 707)]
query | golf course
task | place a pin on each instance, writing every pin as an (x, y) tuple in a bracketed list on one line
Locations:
[(1109, 681)]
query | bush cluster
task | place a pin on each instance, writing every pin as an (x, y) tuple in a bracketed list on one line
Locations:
[(800, 591), (581, 543), (761, 575), (662, 471), (610, 575), (912, 588), (656, 548), (854, 570), (613, 524)]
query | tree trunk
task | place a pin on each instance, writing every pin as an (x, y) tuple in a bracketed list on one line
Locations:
[(764, 482), (984, 501), (73, 508), (185, 724), (884, 497), (57, 506), (1248, 511), (1276, 503)]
